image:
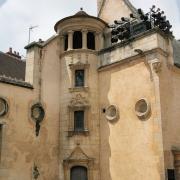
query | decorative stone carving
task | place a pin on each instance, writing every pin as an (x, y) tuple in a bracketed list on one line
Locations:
[(35, 172), (79, 65), (156, 65), (142, 108), (3, 107), (79, 101), (37, 114), (112, 113)]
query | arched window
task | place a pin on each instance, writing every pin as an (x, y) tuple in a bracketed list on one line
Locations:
[(77, 40), (79, 173), (66, 42), (91, 41)]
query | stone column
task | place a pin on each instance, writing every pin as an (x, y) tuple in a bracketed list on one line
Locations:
[(101, 41), (97, 41), (84, 38), (70, 40)]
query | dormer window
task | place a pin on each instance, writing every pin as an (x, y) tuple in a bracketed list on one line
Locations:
[(77, 40)]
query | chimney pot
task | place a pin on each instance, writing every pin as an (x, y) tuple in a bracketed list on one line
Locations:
[(10, 49)]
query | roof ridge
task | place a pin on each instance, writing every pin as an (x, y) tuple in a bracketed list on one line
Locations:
[(13, 57)]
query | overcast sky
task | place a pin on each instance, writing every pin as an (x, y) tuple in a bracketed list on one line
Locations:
[(16, 16)]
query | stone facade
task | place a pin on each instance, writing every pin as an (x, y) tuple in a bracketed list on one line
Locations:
[(130, 100)]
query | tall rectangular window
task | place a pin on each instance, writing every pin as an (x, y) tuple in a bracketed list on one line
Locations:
[(78, 120), (79, 78)]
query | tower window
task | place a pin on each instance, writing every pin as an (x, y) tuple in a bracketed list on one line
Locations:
[(90, 41), (77, 40), (79, 173), (78, 120), (66, 42), (79, 78)]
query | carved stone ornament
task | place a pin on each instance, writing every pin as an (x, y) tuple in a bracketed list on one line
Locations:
[(79, 65), (142, 108), (156, 65), (79, 101), (37, 112), (112, 113), (35, 172), (3, 107), (78, 157)]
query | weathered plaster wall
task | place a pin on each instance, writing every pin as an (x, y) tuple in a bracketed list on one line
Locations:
[(170, 105), (130, 148), (20, 147)]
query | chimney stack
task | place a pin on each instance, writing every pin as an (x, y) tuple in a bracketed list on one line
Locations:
[(13, 54)]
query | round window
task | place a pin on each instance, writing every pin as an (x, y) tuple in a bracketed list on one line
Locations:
[(3, 107), (142, 108), (112, 113), (37, 112)]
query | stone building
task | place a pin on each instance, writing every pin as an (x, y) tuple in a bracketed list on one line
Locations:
[(81, 107)]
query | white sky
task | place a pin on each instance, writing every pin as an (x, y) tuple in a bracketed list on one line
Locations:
[(16, 16)]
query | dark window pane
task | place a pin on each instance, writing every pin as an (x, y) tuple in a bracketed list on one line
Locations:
[(77, 40), (79, 120), (66, 42), (1, 129), (171, 174), (79, 78), (79, 173), (90, 41)]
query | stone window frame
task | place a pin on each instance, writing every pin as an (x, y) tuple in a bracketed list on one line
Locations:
[(78, 158), (79, 66), (78, 103)]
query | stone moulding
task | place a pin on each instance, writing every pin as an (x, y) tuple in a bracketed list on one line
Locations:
[(142, 108), (78, 103), (3, 107), (78, 158), (112, 113)]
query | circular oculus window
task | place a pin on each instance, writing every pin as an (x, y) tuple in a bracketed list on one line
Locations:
[(37, 112), (142, 108), (3, 107), (112, 113)]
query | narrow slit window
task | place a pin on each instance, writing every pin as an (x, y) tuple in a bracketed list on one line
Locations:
[(77, 40), (91, 40), (79, 78), (78, 120)]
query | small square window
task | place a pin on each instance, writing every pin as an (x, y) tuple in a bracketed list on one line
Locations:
[(78, 120), (79, 78)]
